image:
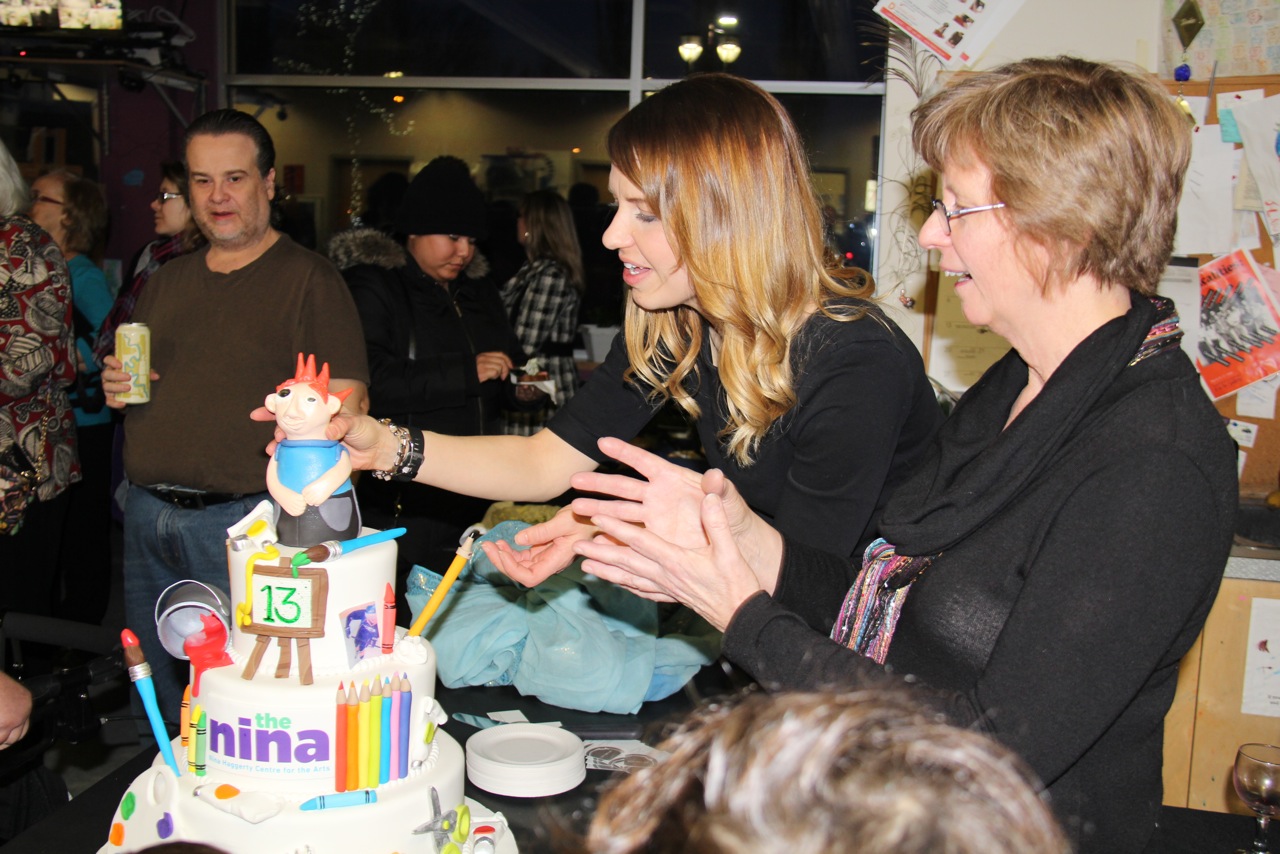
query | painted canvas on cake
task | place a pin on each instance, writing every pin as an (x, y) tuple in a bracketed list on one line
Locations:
[(1240, 328), (360, 628)]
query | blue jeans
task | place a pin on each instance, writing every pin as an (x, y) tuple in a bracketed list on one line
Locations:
[(164, 544)]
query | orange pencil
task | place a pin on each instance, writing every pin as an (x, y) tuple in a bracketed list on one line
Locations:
[(353, 738), (184, 715), (340, 736)]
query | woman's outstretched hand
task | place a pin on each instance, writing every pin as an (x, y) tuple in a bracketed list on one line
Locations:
[(713, 579), (550, 548), (676, 535)]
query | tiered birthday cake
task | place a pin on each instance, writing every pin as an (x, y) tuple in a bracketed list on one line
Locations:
[(311, 725)]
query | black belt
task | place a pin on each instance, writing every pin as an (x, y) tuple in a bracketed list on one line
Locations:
[(192, 499)]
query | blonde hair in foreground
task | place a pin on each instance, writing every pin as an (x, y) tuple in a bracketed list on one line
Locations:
[(866, 772), (1088, 158), (721, 164)]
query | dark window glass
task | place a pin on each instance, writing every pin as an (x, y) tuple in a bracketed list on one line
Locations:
[(434, 38), (824, 40), (333, 144)]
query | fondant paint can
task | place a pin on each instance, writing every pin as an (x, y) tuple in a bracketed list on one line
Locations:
[(179, 609)]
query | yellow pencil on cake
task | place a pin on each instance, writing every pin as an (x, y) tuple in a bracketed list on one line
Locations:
[(455, 569)]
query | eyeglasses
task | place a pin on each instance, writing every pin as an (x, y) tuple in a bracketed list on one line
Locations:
[(163, 197), (947, 215), (38, 197)]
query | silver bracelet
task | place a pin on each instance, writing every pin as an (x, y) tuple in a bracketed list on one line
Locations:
[(402, 452)]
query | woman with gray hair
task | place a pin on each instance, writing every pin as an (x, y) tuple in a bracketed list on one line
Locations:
[(37, 431)]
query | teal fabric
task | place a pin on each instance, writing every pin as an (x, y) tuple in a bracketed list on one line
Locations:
[(573, 641)]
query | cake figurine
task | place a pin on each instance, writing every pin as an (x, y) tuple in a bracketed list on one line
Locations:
[(309, 476), (298, 734)]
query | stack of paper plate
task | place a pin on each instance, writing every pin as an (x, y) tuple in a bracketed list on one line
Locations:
[(525, 760)]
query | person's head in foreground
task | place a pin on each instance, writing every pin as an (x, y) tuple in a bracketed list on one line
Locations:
[(1056, 172), (867, 772)]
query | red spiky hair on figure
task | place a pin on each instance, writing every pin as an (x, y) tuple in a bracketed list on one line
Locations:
[(306, 373)]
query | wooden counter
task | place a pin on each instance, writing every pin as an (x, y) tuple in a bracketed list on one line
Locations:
[(1205, 725)]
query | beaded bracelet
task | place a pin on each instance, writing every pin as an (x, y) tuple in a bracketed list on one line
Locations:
[(402, 452)]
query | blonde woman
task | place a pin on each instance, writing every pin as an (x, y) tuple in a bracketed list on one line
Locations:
[(808, 398)]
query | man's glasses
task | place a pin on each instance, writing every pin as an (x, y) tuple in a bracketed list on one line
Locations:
[(39, 197), (947, 215), (163, 197)]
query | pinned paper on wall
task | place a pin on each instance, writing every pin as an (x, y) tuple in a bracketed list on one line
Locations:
[(1244, 433), (956, 32), (1261, 690), (1205, 220), (1258, 400), (1240, 341), (1259, 124), (1228, 101)]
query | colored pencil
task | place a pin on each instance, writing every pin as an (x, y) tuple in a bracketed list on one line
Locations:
[(184, 715), (461, 557), (362, 718), (193, 720), (340, 736), (353, 738), (349, 799), (375, 733), (406, 703), (384, 754), (202, 742), (393, 772), (388, 619)]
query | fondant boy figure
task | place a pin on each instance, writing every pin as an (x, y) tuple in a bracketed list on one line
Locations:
[(309, 477)]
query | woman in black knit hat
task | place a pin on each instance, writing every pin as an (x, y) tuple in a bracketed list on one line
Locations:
[(440, 346)]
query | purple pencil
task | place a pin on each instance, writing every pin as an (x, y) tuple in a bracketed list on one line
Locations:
[(406, 703)]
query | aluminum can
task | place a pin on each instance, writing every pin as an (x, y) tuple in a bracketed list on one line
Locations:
[(133, 349)]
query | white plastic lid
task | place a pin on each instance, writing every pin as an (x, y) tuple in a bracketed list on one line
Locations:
[(525, 760)]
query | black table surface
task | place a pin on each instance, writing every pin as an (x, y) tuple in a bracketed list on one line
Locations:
[(81, 827)]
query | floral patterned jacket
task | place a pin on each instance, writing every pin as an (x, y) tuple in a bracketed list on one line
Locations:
[(37, 355)]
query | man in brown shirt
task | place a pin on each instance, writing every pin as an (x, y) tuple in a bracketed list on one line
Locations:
[(226, 323)]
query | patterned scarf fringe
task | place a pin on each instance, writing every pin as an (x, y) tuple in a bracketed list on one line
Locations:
[(873, 605)]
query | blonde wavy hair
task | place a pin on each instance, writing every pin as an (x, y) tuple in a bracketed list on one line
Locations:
[(720, 163)]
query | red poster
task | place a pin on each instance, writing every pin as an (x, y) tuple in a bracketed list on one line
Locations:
[(1240, 341)]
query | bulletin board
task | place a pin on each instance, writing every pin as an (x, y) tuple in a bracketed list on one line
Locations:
[(1262, 461)]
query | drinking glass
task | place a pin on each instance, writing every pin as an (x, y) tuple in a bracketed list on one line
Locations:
[(1257, 781)]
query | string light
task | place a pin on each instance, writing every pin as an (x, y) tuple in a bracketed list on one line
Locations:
[(347, 16)]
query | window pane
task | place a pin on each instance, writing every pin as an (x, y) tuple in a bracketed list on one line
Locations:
[(333, 144), (842, 136), (825, 40), (434, 38)]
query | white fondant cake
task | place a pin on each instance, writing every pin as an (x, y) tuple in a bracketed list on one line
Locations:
[(318, 731)]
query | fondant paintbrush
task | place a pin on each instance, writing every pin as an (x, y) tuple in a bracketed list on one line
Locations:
[(140, 675), (332, 549)]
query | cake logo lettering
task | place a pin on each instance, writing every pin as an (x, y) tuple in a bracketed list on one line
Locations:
[(267, 738)]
